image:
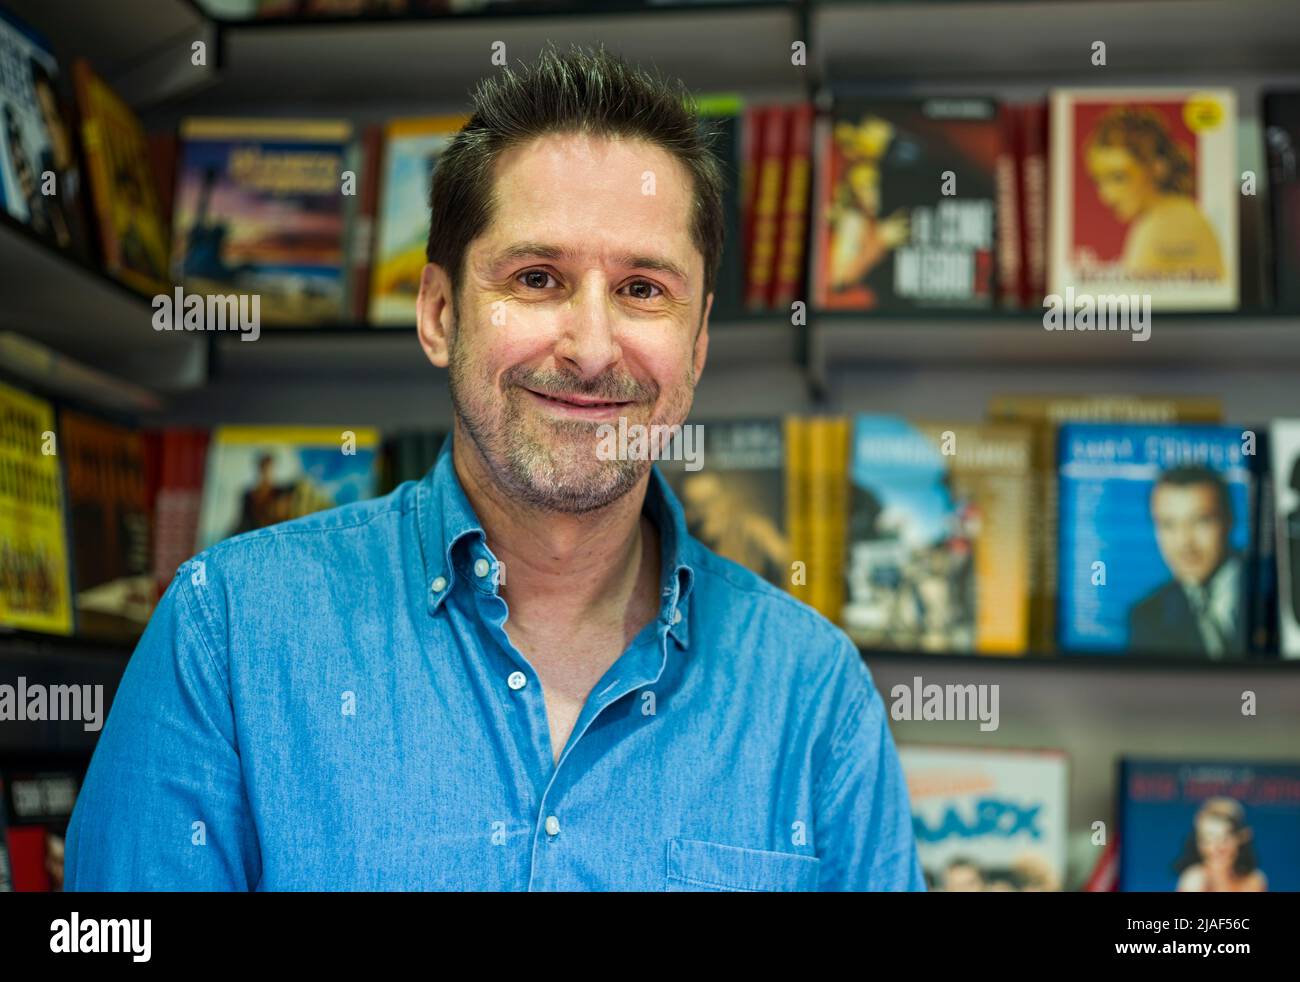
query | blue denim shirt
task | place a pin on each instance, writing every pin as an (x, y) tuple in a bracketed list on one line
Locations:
[(332, 703)]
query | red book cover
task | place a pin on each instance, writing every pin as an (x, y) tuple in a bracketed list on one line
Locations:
[(787, 284), (1033, 202), (751, 153), (180, 494), (767, 209), (1008, 208)]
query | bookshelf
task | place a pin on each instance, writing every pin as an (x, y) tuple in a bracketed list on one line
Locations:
[(931, 365)]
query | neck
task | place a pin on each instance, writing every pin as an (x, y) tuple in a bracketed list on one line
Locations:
[(591, 569)]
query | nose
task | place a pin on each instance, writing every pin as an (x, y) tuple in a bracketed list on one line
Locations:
[(587, 330)]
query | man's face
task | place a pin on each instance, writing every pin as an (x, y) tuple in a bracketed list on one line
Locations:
[(585, 288), (1189, 529)]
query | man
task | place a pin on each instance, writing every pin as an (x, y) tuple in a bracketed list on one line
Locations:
[(1198, 612), (519, 672)]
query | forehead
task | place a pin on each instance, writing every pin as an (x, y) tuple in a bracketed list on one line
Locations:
[(594, 196)]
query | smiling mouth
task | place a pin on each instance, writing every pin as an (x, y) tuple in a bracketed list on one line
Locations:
[(578, 402)]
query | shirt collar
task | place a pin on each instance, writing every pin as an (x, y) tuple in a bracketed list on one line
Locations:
[(455, 543)]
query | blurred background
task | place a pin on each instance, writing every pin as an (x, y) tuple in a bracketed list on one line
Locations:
[(890, 431)]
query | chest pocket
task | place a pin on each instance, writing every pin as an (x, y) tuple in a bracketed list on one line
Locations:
[(697, 865)]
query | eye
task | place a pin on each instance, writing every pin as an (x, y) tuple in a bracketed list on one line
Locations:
[(538, 279), (644, 285)]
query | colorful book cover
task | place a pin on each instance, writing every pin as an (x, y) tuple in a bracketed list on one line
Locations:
[(1209, 826), (132, 233), (1145, 194), (260, 211), (1284, 450), (412, 148), (734, 502), (260, 475), (1155, 534), (938, 542), (1282, 140), (1044, 415), (906, 205), (39, 177), (720, 115), (109, 525), (37, 802), (35, 593), (988, 820), (182, 458)]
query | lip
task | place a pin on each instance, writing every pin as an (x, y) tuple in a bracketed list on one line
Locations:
[(581, 407)]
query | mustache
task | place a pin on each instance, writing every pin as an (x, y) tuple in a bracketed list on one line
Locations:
[(605, 387)]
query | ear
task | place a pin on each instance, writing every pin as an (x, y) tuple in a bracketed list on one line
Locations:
[(433, 313), (702, 338)]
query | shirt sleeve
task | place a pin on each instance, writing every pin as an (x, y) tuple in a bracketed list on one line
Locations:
[(163, 805), (863, 826)]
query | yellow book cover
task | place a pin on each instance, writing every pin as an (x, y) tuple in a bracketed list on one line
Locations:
[(796, 505), (132, 231), (1044, 415), (837, 435), (35, 592), (412, 148)]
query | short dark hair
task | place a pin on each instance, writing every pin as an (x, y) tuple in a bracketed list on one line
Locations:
[(590, 92), (1191, 474)]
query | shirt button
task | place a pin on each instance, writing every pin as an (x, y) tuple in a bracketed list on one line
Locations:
[(552, 826), (517, 680), (439, 584), (481, 567), (677, 616)]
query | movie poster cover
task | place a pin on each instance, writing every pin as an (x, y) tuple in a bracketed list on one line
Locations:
[(35, 139), (1209, 826), (1155, 533), (260, 211), (412, 148), (988, 820), (1144, 197), (35, 592), (1284, 448), (734, 502), (260, 475), (905, 205), (938, 554)]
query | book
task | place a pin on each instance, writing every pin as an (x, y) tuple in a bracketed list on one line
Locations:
[(1209, 826), (38, 800), (260, 475), (721, 115), (182, 456), (35, 593), (132, 233), (1282, 141), (1144, 196), (1010, 272), (109, 525), (411, 151), (1155, 534), (734, 501), (1044, 415), (988, 820), (260, 212), (788, 278), (40, 180), (906, 203), (938, 540), (1031, 133), (764, 226), (1284, 451)]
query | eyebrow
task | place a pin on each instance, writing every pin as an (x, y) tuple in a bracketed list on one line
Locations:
[(541, 250)]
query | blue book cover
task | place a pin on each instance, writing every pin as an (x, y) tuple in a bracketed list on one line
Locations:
[(1209, 826), (1155, 539)]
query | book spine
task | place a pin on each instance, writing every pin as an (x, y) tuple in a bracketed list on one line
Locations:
[(796, 503), (788, 282), (767, 206), (1034, 196), (1010, 288)]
